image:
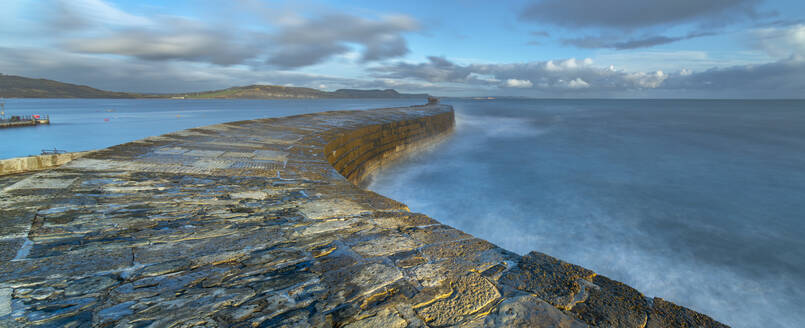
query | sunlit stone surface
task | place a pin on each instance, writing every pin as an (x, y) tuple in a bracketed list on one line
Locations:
[(254, 224)]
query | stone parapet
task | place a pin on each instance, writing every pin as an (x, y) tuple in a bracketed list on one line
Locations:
[(261, 224), (36, 163)]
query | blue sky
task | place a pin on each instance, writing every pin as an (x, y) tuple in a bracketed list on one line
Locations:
[(542, 48)]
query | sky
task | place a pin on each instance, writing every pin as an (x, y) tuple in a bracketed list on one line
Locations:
[(541, 49)]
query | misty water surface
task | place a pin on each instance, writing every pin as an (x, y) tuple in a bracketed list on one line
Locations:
[(698, 202)]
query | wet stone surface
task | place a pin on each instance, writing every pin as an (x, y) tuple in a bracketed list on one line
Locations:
[(248, 224)]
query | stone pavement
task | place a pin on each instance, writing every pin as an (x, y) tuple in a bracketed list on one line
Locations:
[(260, 224)]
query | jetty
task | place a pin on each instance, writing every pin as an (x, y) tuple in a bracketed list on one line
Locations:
[(263, 223), (17, 121), (25, 120)]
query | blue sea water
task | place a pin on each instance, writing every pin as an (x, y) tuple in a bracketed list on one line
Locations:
[(700, 202), (86, 124)]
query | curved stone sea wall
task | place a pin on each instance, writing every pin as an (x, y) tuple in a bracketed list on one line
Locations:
[(262, 224), (355, 154)]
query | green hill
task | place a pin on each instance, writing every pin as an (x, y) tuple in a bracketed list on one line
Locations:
[(22, 87), (280, 92), (12, 86), (259, 92)]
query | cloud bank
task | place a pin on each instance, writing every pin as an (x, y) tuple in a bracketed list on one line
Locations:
[(168, 39), (633, 14), (632, 24), (96, 27), (311, 41), (572, 77), (595, 42), (559, 75)]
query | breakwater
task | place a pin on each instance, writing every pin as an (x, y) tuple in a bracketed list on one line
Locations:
[(261, 223)]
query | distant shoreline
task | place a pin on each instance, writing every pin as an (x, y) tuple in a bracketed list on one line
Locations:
[(12, 86)]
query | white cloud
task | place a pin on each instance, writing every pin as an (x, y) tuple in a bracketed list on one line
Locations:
[(567, 64), (781, 42), (578, 83), (550, 66), (647, 80), (515, 83)]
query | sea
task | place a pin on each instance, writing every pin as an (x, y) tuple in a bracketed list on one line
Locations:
[(699, 202)]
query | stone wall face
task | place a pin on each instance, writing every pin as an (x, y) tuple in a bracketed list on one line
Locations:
[(359, 152), (36, 163), (260, 224)]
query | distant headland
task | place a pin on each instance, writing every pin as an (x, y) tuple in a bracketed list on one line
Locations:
[(12, 86)]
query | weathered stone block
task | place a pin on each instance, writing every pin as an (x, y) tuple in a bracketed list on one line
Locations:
[(468, 294), (667, 314), (550, 279), (528, 311), (613, 304)]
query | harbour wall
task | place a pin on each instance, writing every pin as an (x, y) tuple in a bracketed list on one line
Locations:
[(356, 154), (262, 223)]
